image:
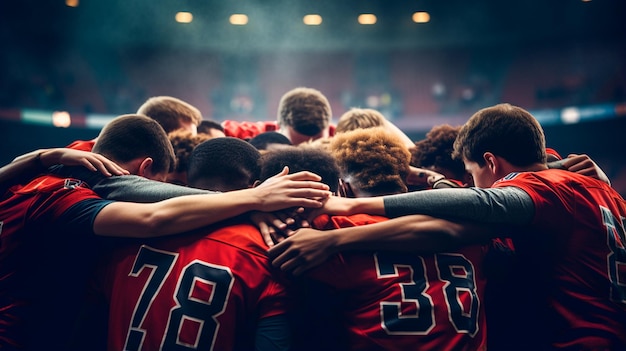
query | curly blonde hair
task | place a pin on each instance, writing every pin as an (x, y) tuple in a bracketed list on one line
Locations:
[(373, 160)]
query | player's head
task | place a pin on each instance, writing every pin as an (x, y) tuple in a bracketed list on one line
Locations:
[(304, 114), (373, 161), (138, 143), (223, 164), (435, 153), (172, 113), (183, 143), (500, 133), (266, 140), (301, 158), (211, 128), (359, 118)]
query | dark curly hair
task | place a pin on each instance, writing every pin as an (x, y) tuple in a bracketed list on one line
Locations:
[(183, 143), (435, 152)]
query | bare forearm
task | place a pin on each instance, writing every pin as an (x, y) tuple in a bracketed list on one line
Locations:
[(185, 213), (348, 206), (22, 168), (416, 233), (172, 216)]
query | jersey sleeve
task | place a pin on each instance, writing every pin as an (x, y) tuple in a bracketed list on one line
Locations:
[(273, 334), (138, 189), (80, 217), (508, 205)]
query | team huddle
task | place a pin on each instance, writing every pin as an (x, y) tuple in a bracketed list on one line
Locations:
[(170, 232)]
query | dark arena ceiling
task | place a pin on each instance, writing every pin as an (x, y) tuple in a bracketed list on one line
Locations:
[(48, 25)]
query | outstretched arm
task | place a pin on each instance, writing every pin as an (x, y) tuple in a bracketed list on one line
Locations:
[(581, 164), (417, 233), (184, 213), (27, 166), (494, 205)]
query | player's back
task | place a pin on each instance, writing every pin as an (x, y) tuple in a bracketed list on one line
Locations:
[(40, 280), (574, 256), (203, 291), (398, 301)]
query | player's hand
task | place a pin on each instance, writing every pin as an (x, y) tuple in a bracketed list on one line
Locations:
[(277, 226), (583, 164), (422, 177), (91, 161), (306, 249), (284, 190)]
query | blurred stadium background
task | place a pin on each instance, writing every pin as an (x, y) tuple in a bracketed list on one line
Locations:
[(68, 66)]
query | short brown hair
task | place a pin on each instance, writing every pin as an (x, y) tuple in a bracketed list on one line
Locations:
[(170, 111), (128, 137), (376, 160), (359, 118), (504, 130), (306, 110)]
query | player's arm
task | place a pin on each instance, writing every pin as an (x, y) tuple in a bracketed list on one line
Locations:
[(26, 166), (181, 214), (415, 233), (494, 205), (581, 164), (135, 188)]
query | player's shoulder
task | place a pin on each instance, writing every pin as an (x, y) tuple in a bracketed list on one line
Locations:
[(54, 183), (240, 236)]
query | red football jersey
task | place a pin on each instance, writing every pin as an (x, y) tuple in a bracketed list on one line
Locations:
[(398, 301), (84, 145), (46, 227), (202, 291), (575, 254), (248, 130)]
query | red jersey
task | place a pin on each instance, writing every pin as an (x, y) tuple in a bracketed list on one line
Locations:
[(248, 130), (398, 301), (575, 256), (46, 232), (204, 291), (84, 145)]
